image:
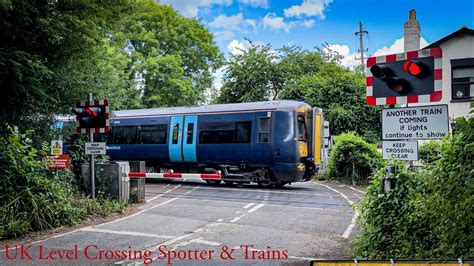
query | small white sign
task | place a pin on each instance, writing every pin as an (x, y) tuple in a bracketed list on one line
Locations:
[(95, 147), (56, 147), (400, 150), (410, 123)]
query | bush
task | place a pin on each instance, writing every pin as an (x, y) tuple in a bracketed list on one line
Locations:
[(352, 159), (386, 226), (429, 152), (33, 197), (429, 214)]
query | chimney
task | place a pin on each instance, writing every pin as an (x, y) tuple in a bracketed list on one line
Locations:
[(411, 32)]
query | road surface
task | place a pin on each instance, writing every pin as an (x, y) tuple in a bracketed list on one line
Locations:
[(186, 223)]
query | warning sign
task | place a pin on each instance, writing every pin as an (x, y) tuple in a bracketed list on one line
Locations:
[(56, 147), (58, 161), (400, 150), (95, 147), (421, 122)]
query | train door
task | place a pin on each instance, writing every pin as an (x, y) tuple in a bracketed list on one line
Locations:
[(175, 139), (263, 141), (189, 138), (182, 138)]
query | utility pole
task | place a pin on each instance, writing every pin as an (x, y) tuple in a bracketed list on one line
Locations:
[(360, 35)]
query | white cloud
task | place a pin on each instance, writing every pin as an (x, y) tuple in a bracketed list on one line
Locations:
[(255, 3), (349, 58), (223, 21), (343, 50), (309, 8), (250, 22), (217, 77), (236, 47), (190, 8), (275, 23), (308, 23), (397, 47), (224, 35)]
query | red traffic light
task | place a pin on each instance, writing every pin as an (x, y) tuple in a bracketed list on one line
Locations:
[(413, 68), (90, 112)]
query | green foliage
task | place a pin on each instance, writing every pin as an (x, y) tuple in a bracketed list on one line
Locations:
[(429, 152), (171, 54), (351, 159), (54, 53), (33, 197), (315, 77), (251, 76), (429, 214)]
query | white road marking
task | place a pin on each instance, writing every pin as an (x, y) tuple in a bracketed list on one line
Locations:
[(220, 220), (189, 192), (95, 226), (161, 195), (205, 242), (267, 204), (351, 226), (249, 205), (238, 211), (98, 230), (238, 218), (256, 208), (270, 192), (355, 189)]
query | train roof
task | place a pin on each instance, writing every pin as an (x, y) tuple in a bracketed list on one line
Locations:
[(215, 108)]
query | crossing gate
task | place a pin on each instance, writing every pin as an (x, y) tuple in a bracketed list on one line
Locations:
[(176, 176)]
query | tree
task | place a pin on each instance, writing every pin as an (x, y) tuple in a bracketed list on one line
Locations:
[(315, 77), (172, 55)]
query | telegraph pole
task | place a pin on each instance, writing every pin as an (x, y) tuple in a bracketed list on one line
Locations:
[(360, 35)]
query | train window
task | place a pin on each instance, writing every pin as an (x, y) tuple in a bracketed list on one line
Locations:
[(263, 129), (242, 132), (190, 133), (155, 134), (174, 140), (125, 135), (214, 133), (302, 132)]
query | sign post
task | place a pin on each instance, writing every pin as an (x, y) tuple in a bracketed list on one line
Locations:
[(91, 139), (403, 78), (93, 116)]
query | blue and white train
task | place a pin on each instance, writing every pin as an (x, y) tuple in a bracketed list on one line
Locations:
[(269, 143)]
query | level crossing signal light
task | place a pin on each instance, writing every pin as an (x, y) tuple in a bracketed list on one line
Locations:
[(409, 77), (92, 116)]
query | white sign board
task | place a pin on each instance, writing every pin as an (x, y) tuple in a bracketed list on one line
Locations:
[(56, 147), (95, 147), (421, 122), (400, 150)]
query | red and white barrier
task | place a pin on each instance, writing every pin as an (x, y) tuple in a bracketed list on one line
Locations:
[(176, 176)]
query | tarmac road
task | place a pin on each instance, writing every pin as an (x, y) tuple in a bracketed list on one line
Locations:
[(197, 222)]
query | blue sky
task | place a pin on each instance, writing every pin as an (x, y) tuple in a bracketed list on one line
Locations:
[(309, 23)]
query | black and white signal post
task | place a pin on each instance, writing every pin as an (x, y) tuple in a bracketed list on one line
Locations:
[(93, 117), (404, 78)]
